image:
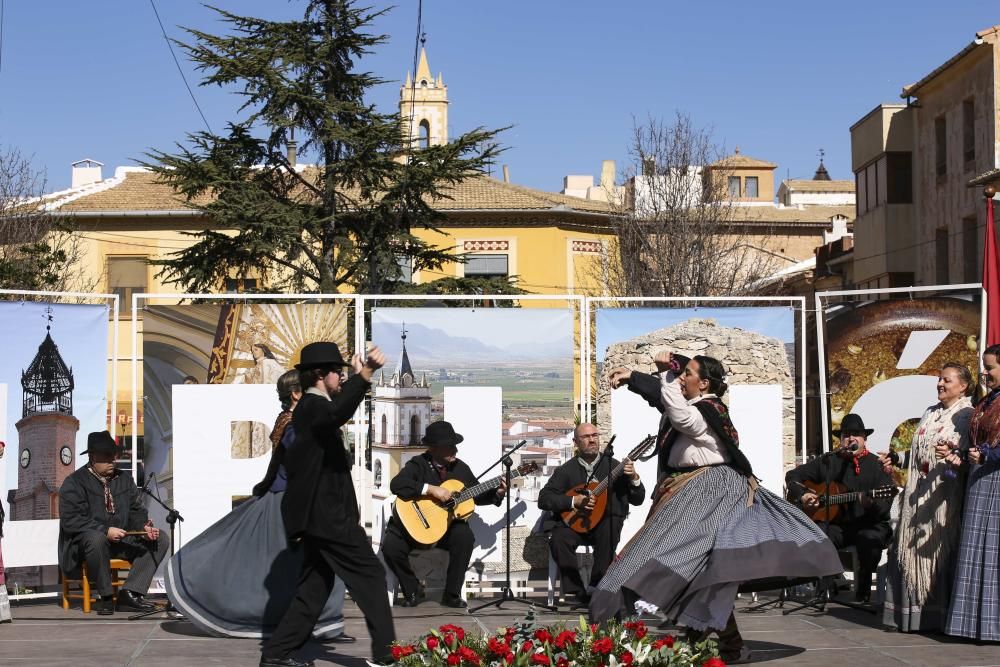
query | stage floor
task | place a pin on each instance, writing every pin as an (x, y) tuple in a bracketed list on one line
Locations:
[(43, 634)]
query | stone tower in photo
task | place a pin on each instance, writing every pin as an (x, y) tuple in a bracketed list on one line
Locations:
[(423, 106)]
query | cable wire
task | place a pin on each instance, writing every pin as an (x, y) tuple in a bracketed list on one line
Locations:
[(179, 68)]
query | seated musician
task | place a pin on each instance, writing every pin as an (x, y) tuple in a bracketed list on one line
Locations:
[(421, 476), (604, 534), (98, 506), (862, 523)]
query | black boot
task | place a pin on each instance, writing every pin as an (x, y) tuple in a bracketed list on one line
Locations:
[(105, 605), (132, 601)]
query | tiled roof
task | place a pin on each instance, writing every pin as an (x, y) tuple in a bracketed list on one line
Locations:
[(137, 190), (983, 36), (985, 178), (809, 185), (741, 161), (790, 214)]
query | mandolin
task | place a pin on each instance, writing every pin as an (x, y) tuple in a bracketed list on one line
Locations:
[(427, 520), (582, 521), (839, 495)]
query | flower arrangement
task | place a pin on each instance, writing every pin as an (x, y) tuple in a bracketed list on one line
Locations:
[(526, 644)]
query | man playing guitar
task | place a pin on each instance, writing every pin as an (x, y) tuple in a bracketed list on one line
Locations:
[(863, 523), (603, 534)]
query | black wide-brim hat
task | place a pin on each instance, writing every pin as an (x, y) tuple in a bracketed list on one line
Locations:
[(101, 442), (853, 423), (441, 433), (320, 355)]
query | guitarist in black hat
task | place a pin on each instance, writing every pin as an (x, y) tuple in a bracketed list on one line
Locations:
[(98, 504), (422, 476), (320, 508), (863, 523)]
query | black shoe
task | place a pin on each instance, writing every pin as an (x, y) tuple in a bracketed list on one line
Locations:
[(344, 638), (409, 600), (132, 601), (579, 600), (284, 662), (105, 606), (454, 601)]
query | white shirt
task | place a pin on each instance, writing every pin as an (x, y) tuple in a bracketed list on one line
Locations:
[(696, 443)]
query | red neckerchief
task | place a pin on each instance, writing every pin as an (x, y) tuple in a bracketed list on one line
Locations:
[(856, 458), (109, 500)]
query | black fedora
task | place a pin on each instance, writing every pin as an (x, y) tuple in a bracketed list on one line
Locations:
[(441, 433), (101, 442), (320, 355), (853, 423)]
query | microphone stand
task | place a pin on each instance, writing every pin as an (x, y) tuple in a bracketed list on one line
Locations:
[(173, 516), (507, 594)]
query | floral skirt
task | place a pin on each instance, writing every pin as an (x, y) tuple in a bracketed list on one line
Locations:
[(710, 533)]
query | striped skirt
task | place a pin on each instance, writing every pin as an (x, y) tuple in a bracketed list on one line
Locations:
[(975, 602), (702, 541)]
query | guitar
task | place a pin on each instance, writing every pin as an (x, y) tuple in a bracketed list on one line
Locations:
[(839, 495), (427, 520), (582, 521)]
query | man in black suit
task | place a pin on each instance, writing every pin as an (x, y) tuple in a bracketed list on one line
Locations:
[(422, 476), (320, 508), (604, 535)]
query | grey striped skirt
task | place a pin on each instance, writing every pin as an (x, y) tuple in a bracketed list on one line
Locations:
[(701, 543)]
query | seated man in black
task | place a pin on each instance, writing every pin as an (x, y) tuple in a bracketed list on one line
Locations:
[(97, 505), (603, 535), (420, 477), (863, 523)]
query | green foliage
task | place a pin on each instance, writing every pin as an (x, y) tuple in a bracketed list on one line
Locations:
[(342, 224)]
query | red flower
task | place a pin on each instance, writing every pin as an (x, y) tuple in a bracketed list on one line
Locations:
[(432, 642), (526, 647), (449, 639), (603, 646), (562, 662), (626, 658), (468, 655), (497, 647), (454, 659), (565, 637), (641, 632), (543, 635), (667, 641), (456, 630), (509, 658), (593, 627), (713, 662), (540, 659), (397, 652)]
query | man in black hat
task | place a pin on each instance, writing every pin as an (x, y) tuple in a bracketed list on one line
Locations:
[(320, 508), (863, 523), (422, 476), (97, 505)]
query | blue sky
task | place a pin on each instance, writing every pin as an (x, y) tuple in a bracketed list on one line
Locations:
[(618, 324), (780, 79), (498, 327)]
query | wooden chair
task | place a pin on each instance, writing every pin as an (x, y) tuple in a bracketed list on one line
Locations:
[(83, 592)]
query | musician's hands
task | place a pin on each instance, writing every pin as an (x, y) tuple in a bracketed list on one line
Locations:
[(618, 377), (885, 462), (115, 534), (953, 460), (865, 500), (942, 449), (502, 489), (439, 493), (810, 501), (585, 503), (629, 470), (975, 456), (152, 532)]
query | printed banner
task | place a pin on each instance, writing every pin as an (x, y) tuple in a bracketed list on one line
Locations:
[(54, 371)]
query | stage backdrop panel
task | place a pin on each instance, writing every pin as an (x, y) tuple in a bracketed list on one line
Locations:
[(55, 370), (882, 358)]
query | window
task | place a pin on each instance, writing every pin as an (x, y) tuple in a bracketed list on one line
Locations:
[(734, 187), (940, 147), (486, 266), (899, 187), (425, 134), (127, 276), (751, 187), (969, 133), (872, 185), (415, 430), (240, 285), (941, 255), (970, 249), (385, 429), (861, 200)]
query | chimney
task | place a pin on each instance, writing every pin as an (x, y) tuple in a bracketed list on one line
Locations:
[(506, 174), (86, 172), (292, 155), (608, 174)]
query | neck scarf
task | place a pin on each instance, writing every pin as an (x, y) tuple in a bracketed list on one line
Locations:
[(109, 500)]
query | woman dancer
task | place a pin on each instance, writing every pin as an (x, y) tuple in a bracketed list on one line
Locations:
[(711, 526)]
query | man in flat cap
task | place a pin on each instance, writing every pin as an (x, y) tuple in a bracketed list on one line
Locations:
[(97, 505)]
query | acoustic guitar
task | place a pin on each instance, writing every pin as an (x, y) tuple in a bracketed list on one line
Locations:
[(582, 521), (839, 495), (426, 520)]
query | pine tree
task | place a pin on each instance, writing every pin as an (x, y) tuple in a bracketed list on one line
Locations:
[(347, 222)]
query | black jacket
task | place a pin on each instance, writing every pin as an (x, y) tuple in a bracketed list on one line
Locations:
[(82, 508), (320, 499), (409, 482), (842, 471), (571, 474)]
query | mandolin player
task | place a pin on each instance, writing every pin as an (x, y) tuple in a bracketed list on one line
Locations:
[(557, 497), (863, 523)]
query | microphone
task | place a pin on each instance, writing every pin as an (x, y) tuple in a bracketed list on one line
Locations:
[(851, 446), (608, 447), (145, 485)]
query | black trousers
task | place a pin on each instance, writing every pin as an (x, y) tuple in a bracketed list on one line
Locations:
[(458, 542), (97, 551), (563, 543), (869, 540), (353, 560)]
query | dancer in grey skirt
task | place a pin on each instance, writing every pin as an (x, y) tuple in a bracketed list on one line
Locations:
[(238, 577), (711, 527)]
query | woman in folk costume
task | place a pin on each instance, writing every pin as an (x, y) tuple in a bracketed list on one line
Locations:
[(975, 604), (238, 577), (711, 526), (922, 558)]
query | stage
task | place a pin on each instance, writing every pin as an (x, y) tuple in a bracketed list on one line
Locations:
[(43, 634)]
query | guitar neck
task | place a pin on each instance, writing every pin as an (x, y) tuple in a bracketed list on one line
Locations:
[(841, 498), (616, 473), (483, 487)]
